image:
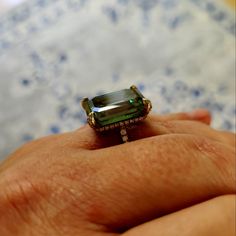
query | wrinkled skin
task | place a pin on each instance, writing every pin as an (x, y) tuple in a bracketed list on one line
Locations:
[(176, 177)]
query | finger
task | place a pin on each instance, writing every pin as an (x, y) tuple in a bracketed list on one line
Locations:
[(201, 115), (192, 127), (142, 180), (89, 139), (213, 217)]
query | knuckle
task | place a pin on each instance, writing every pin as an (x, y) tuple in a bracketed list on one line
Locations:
[(183, 141), (205, 146), (65, 186), (220, 159), (168, 124), (20, 198)]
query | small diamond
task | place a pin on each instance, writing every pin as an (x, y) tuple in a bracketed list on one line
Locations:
[(127, 122), (123, 132)]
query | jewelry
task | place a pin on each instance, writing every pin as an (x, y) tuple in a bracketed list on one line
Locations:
[(117, 110)]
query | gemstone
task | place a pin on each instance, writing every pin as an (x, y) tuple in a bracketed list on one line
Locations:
[(116, 107)]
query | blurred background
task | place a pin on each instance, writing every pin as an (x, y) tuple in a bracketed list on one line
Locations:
[(6, 5), (181, 55)]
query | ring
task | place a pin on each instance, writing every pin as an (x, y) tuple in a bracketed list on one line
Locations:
[(117, 110)]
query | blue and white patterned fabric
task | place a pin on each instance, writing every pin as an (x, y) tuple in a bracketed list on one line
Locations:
[(181, 54)]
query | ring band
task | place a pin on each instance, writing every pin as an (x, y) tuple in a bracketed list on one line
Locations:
[(117, 110)]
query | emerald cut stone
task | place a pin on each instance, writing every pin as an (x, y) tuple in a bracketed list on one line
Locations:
[(116, 107)]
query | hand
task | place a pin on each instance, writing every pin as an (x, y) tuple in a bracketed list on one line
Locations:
[(79, 183)]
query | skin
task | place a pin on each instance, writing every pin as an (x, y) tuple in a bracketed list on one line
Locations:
[(176, 177)]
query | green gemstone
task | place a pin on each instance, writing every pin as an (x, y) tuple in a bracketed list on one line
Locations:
[(116, 107)]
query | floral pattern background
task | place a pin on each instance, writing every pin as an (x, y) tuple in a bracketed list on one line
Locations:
[(181, 55)]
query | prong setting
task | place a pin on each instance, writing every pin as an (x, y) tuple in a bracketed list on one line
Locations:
[(85, 105), (135, 89), (148, 105)]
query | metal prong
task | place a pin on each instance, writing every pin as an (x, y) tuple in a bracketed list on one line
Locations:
[(84, 102), (148, 105), (85, 105), (91, 119), (133, 87), (136, 90)]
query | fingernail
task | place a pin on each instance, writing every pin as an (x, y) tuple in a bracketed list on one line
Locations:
[(198, 114)]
